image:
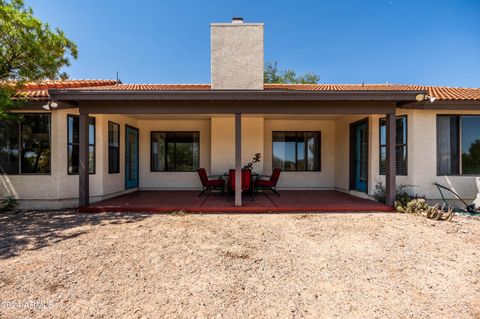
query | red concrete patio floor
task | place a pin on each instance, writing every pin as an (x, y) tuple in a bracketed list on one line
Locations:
[(188, 201)]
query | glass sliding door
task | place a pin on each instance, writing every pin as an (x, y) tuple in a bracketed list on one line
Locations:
[(131, 157)]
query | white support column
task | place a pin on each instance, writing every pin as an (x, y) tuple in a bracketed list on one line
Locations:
[(238, 159)]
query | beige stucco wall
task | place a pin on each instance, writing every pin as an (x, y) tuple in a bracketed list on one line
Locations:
[(59, 190), (424, 159), (422, 156), (115, 182), (217, 154), (223, 142)]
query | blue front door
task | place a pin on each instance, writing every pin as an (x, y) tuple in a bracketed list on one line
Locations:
[(131, 157), (361, 156)]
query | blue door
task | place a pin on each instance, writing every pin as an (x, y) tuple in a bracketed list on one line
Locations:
[(131, 157), (361, 156)]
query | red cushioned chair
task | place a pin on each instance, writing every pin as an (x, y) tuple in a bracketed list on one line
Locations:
[(210, 184), (246, 183), (270, 184)]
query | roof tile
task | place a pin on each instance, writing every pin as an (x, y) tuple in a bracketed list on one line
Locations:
[(39, 91)]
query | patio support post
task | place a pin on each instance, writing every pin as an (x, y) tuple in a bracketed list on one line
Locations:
[(83, 167), (238, 159), (390, 176)]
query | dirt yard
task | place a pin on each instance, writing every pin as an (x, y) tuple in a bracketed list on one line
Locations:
[(67, 265)]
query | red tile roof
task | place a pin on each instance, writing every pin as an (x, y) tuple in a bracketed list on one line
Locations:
[(38, 91)]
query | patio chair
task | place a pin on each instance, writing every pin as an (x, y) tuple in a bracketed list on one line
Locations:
[(210, 184), (246, 183), (269, 184)]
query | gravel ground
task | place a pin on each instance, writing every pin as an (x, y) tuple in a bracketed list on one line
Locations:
[(66, 265)]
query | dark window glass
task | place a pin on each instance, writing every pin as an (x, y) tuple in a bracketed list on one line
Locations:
[(35, 143), (73, 144), (175, 151), (448, 145), (113, 148), (296, 151), (9, 147), (401, 146), (458, 145), (470, 144), (25, 145)]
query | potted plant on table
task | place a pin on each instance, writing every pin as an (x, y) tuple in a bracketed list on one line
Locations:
[(256, 159)]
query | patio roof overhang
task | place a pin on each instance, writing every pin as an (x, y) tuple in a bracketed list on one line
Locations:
[(234, 101)]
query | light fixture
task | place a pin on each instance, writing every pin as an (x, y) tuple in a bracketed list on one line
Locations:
[(50, 105), (423, 97), (420, 97)]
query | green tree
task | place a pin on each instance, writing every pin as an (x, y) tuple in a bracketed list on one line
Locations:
[(272, 74), (29, 51), (471, 160)]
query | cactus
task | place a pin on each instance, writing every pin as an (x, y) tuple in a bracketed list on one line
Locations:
[(420, 207)]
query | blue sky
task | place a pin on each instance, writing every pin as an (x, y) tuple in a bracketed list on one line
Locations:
[(432, 42)]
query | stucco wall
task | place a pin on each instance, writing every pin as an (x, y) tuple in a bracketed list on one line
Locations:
[(422, 156), (237, 56), (223, 143), (217, 150), (59, 190), (325, 179), (115, 182), (424, 159)]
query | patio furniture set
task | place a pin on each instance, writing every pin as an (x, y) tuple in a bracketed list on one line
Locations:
[(251, 182)]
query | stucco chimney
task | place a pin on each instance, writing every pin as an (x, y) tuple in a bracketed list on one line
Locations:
[(237, 55)]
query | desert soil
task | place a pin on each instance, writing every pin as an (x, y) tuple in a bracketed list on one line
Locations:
[(67, 265)]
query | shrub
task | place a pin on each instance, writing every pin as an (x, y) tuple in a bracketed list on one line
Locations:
[(401, 196), (8, 204)]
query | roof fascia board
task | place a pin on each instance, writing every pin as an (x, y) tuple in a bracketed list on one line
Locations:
[(84, 95), (443, 105)]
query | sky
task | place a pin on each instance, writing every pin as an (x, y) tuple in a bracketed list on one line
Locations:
[(426, 42)]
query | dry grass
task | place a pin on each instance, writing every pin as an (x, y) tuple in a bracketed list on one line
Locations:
[(235, 266)]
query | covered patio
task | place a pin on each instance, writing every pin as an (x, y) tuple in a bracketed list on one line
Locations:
[(152, 102), (189, 201)]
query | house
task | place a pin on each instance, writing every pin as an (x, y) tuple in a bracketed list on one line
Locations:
[(85, 141)]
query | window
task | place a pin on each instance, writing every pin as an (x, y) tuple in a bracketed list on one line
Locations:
[(73, 144), (25, 145), (401, 146), (175, 151), (458, 144), (113, 148), (296, 151)]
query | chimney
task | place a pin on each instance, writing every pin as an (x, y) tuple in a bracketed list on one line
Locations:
[(237, 55)]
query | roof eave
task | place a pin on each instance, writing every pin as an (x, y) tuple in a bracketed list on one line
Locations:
[(279, 95)]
